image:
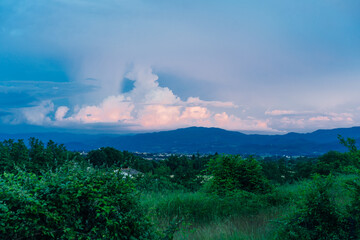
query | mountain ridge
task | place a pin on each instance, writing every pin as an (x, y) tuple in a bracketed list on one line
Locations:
[(204, 140)]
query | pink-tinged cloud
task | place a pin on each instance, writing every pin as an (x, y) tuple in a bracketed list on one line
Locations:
[(278, 112), (312, 120), (288, 122), (158, 116), (195, 113), (198, 101), (335, 117), (342, 117), (113, 109), (319, 118), (226, 121), (149, 106)]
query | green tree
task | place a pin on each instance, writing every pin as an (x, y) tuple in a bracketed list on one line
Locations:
[(331, 162), (105, 156), (232, 173)]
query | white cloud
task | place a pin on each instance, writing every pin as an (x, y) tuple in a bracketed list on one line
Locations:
[(61, 112), (319, 118), (147, 106), (278, 112), (38, 115), (197, 101), (226, 121)]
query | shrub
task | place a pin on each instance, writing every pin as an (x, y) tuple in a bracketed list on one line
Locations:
[(317, 217), (72, 203)]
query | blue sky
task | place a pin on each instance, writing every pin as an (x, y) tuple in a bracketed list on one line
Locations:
[(135, 66)]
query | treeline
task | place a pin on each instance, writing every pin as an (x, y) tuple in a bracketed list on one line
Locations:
[(49, 192)]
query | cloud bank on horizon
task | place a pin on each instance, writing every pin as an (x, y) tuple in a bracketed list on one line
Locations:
[(127, 66)]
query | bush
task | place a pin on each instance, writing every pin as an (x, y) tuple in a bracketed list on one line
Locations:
[(72, 203), (354, 208), (317, 216)]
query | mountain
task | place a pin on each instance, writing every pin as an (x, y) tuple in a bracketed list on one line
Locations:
[(205, 140)]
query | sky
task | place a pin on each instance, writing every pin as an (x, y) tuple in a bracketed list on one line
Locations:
[(128, 66)]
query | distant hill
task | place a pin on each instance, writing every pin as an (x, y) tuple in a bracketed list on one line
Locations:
[(205, 140)]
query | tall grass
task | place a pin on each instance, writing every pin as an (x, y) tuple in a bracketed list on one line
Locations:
[(200, 208), (205, 216), (239, 216), (253, 226)]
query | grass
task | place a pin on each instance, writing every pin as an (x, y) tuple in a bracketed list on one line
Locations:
[(206, 216), (201, 207), (241, 216), (254, 226)]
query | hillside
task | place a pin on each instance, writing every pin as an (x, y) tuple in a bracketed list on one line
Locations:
[(205, 140)]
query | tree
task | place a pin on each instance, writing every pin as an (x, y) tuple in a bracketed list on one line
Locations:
[(349, 143), (232, 173), (331, 162)]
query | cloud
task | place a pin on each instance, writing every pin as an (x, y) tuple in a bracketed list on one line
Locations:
[(334, 117), (319, 118), (308, 121), (147, 106), (60, 113), (158, 117), (38, 115), (113, 109), (196, 100), (226, 121), (280, 112)]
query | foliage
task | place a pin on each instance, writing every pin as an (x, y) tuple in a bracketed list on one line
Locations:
[(109, 157), (232, 173), (156, 183), (281, 170), (303, 168), (317, 216), (72, 203), (354, 208), (353, 154), (182, 171), (277, 170), (349, 143), (331, 162), (336, 162), (200, 207), (175, 172), (51, 193), (37, 158)]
